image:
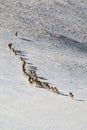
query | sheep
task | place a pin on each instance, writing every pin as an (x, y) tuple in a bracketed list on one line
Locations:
[(21, 59), (38, 83), (52, 89), (14, 51), (56, 90), (10, 45), (16, 34), (30, 79), (26, 74), (71, 94), (46, 86), (23, 69)]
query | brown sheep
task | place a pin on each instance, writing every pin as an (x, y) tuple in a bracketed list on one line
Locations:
[(52, 89), (46, 86), (56, 90), (14, 51), (10, 45), (71, 94)]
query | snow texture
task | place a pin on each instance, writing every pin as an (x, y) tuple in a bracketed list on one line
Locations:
[(52, 39)]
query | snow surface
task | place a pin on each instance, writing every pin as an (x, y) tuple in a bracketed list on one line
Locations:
[(52, 38)]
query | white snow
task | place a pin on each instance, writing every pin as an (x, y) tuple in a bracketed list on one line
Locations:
[(60, 60)]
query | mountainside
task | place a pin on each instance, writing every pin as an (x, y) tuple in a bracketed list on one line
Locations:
[(51, 37)]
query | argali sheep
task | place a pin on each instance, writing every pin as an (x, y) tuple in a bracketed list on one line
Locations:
[(71, 94), (10, 45), (14, 51), (21, 59), (24, 62), (38, 84), (51, 89), (23, 69), (16, 34), (23, 65), (46, 86), (30, 79), (26, 74), (56, 90), (33, 74)]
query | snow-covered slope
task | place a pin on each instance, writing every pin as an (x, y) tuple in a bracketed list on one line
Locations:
[(57, 50)]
